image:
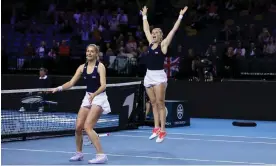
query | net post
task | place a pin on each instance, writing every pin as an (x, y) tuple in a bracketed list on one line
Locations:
[(142, 114), (24, 137)]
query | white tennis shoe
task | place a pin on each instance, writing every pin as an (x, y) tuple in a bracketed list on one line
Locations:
[(155, 133), (77, 157), (100, 159)]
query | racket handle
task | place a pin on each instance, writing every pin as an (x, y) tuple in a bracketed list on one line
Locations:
[(103, 135), (87, 142)]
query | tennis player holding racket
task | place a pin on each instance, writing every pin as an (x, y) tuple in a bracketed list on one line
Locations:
[(94, 104)]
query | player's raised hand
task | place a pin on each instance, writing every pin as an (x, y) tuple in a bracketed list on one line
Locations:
[(183, 11), (144, 11)]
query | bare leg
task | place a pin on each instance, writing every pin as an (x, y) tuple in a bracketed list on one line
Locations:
[(160, 91), (80, 126), (147, 108), (150, 92), (83, 112), (91, 120)]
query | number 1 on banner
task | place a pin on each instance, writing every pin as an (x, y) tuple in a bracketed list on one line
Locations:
[(88, 142)]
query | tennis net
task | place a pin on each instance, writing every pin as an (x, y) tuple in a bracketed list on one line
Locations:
[(30, 114)]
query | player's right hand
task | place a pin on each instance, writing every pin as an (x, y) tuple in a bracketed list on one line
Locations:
[(54, 90), (144, 11)]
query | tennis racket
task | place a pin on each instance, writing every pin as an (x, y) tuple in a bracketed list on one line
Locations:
[(88, 142), (31, 99)]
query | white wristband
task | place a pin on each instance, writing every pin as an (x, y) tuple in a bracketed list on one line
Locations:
[(180, 17), (145, 17), (59, 88)]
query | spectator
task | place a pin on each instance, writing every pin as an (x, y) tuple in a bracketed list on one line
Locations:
[(225, 32), (229, 5), (131, 44), (77, 17), (109, 52), (120, 39), (52, 54), (238, 33), (43, 82), (141, 61), (64, 49), (212, 10), (179, 52), (113, 24), (252, 51), (201, 6), (139, 33), (123, 21), (105, 18), (55, 46), (122, 18), (229, 63), (85, 33), (270, 47), (124, 53), (251, 33), (264, 36), (239, 52), (120, 45), (211, 51), (96, 35), (140, 47), (41, 50), (190, 65), (93, 20), (101, 55), (43, 76), (212, 56), (29, 50), (106, 35)]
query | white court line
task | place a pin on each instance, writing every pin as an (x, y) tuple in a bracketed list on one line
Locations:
[(197, 139), (230, 136), (147, 157)]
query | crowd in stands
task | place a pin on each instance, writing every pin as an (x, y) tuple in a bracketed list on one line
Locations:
[(235, 42), (116, 27), (105, 23)]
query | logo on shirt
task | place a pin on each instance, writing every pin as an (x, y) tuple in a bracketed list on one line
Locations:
[(156, 52)]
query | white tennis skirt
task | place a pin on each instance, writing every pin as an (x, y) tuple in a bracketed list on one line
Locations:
[(155, 77), (99, 100)]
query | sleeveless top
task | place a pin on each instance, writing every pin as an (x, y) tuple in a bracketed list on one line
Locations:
[(155, 58), (92, 80)]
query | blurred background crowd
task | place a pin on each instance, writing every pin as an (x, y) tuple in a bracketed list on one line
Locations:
[(217, 38)]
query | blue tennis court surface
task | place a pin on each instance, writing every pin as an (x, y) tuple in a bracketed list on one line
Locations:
[(206, 141)]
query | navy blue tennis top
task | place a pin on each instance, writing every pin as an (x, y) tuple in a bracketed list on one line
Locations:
[(155, 58), (92, 80)]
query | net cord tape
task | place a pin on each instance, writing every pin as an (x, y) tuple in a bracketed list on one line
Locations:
[(75, 87)]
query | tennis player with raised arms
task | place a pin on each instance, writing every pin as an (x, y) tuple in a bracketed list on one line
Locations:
[(155, 80), (94, 103)]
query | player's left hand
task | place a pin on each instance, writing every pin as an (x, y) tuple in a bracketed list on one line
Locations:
[(183, 11), (91, 97)]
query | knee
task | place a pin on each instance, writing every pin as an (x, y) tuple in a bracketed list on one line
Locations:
[(87, 127), (160, 104), (79, 128), (153, 103)]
